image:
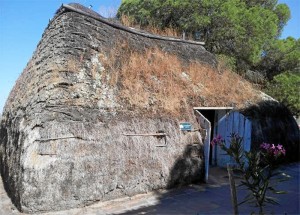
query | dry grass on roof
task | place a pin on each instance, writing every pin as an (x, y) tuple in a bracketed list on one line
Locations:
[(156, 79), (168, 32)]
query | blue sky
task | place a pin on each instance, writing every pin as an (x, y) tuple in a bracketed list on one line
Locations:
[(22, 23)]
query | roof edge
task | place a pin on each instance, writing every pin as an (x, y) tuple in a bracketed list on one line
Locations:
[(127, 29)]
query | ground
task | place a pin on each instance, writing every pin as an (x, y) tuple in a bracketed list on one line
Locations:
[(210, 198)]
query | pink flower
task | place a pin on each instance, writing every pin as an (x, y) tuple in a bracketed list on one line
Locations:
[(273, 150), (279, 147), (265, 146), (217, 140)]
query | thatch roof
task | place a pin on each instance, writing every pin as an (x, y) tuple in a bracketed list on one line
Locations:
[(80, 44)]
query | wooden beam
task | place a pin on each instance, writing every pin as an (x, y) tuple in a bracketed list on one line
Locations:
[(232, 190), (213, 108)]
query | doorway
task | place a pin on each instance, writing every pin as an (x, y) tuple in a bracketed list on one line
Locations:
[(208, 118)]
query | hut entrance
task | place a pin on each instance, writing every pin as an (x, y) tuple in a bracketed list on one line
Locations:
[(208, 119), (223, 121)]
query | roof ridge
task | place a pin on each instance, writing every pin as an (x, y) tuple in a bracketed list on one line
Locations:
[(78, 8)]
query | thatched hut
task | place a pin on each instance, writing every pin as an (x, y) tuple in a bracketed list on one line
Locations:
[(95, 115)]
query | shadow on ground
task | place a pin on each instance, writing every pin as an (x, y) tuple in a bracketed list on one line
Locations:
[(214, 197)]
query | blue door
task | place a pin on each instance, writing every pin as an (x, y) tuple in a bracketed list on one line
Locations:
[(232, 122)]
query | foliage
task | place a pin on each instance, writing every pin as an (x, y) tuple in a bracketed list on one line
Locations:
[(281, 56), (238, 28), (281, 65), (258, 169), (140, 11), (285, 88), (168, 32), (226, 62)]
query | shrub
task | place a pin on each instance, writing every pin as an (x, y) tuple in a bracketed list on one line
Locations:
[(258, 169), (285, 88)]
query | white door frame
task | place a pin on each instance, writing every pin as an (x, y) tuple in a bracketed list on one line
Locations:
[(205, 125)]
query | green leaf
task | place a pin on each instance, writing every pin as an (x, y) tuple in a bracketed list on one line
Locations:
[(280, 192), (277, 191), (248, 198), (272, 200)]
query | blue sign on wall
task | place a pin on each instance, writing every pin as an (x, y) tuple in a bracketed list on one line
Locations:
[(185, 126)]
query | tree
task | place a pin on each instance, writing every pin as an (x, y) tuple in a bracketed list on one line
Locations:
[(237, 28), (281, 64), (281, 56), (285, 87)]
